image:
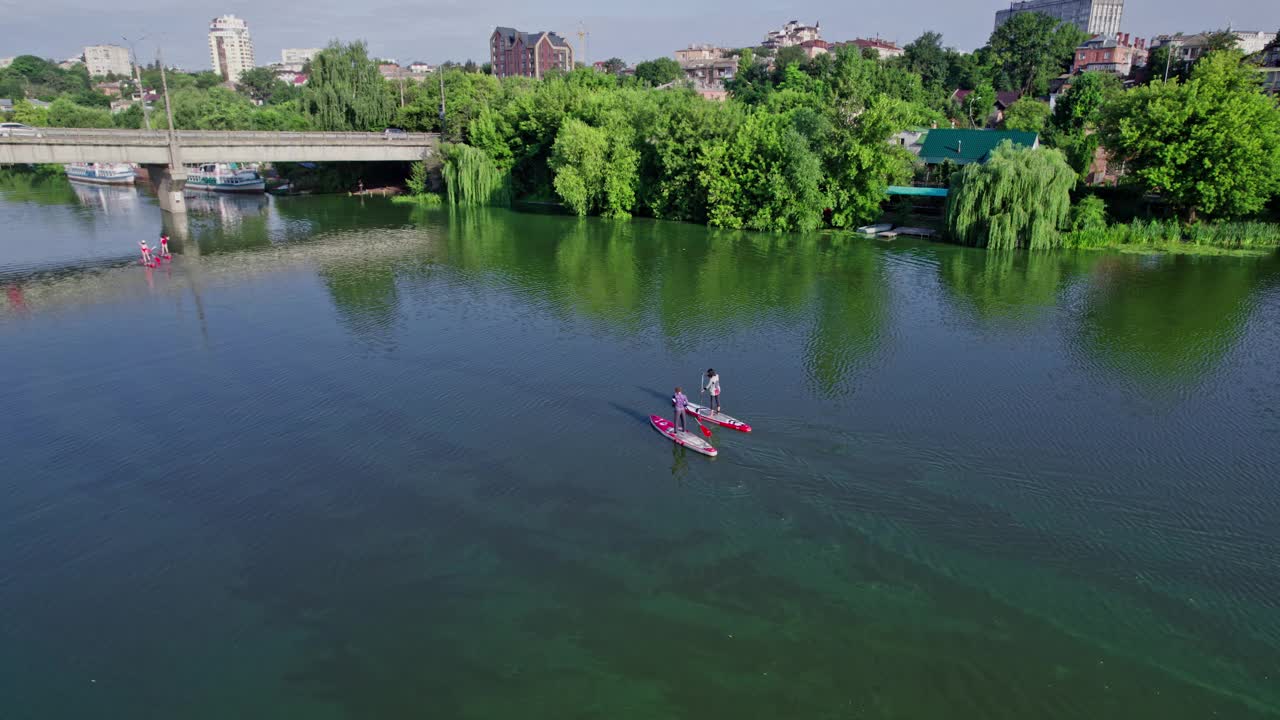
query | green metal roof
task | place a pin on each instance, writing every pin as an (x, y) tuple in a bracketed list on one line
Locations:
[(966, 146)]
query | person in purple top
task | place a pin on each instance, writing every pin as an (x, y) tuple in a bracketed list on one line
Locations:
[(681, 403)]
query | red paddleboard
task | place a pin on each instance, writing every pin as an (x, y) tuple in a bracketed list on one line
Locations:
[(725, 421), (682, 437)]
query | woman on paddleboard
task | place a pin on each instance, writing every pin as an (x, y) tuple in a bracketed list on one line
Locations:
[(712, 386), (682, 403)]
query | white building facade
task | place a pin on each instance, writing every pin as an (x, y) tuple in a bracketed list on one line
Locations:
[(793, 33), (107, 60), (297, 56), (1096, 17), (230, 47)]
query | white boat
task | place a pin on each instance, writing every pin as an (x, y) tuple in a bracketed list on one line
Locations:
[(219, 177), (102, 173), (874, 229)]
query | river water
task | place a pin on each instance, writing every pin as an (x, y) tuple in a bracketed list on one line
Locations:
[(347, 459)]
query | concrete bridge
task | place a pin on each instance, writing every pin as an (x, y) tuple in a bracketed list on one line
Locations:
[(164, 153), (151, 147)]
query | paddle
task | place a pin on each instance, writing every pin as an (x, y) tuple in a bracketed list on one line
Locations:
[(697, 419)]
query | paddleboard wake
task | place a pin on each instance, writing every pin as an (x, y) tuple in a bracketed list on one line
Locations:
[(726, 421), (682, 437)]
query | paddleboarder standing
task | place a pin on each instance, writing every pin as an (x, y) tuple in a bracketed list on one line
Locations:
[(712, 386), (682, 402)]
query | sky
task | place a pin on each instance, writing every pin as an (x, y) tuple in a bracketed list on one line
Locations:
[(438, 30)]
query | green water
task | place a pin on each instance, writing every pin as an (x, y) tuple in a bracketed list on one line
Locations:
[(348, 459)]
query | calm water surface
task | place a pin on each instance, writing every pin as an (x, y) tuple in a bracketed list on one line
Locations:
[(355, 460)]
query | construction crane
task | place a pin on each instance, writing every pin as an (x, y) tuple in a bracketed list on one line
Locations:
[(582, 43)]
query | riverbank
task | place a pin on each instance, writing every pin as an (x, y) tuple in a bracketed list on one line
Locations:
[(1248, 238)]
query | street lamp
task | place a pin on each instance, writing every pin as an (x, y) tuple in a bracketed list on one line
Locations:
[(137, 78)]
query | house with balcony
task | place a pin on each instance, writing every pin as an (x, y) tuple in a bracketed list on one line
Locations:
[(793, 33), (708, 76)]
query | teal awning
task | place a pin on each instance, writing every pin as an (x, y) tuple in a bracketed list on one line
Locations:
[(918, 191)]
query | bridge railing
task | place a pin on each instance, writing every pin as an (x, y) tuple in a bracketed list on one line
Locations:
[(206, 137)]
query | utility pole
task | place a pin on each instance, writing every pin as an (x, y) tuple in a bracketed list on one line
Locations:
[(137, 78), (164, 84), (441, 73)]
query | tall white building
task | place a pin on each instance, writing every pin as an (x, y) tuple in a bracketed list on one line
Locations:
[(297, 56), (1096, 17), (107, 59), (230, 47)]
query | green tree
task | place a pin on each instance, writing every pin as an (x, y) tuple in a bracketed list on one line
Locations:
[(1079, 108), (659, 71), (765, 178), (1019, 198), (595, 169), (90, 98), (1210, 145), (262, 86), (1031, 48), (65, 113), (614, 65), (790, 55), (345, 90), (926, 57), (979, 104), (1026, 114), (130, 118), (1076, 116), (28, 114), (860, 163)]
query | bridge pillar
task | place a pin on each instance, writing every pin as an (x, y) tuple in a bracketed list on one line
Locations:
[(179, 232), (169, 184)]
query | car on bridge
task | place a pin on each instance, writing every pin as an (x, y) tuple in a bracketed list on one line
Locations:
[(395, 134), (13, 129)]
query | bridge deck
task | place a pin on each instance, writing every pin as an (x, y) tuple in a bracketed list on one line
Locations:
[(68, 145)]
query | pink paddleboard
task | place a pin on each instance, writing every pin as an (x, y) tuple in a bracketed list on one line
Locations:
[(682, 438)]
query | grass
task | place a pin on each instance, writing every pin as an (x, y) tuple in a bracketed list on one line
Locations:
[(428, 199), (1169, 236)]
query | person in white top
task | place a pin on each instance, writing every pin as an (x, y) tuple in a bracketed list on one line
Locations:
[(712, 387)]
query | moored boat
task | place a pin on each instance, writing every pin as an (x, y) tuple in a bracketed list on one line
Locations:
[(101, 173), (219, 177)]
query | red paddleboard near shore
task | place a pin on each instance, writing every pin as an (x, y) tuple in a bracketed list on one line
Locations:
[(682, 437)]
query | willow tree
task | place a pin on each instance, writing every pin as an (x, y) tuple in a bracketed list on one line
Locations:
[(471, 177), (1019, 198), (345, 91)]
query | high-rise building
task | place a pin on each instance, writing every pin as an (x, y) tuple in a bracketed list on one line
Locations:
[(512, 52), (230, 47), (107, 60), (297, 56), (1096, 17)]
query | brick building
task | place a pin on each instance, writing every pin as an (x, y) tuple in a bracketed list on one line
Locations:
[(512, 52), (1119, 54)]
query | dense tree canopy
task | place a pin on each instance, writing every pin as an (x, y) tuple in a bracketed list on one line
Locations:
[(1210, 145)]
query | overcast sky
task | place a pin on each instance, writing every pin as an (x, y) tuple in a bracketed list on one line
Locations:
[(435, 30)]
